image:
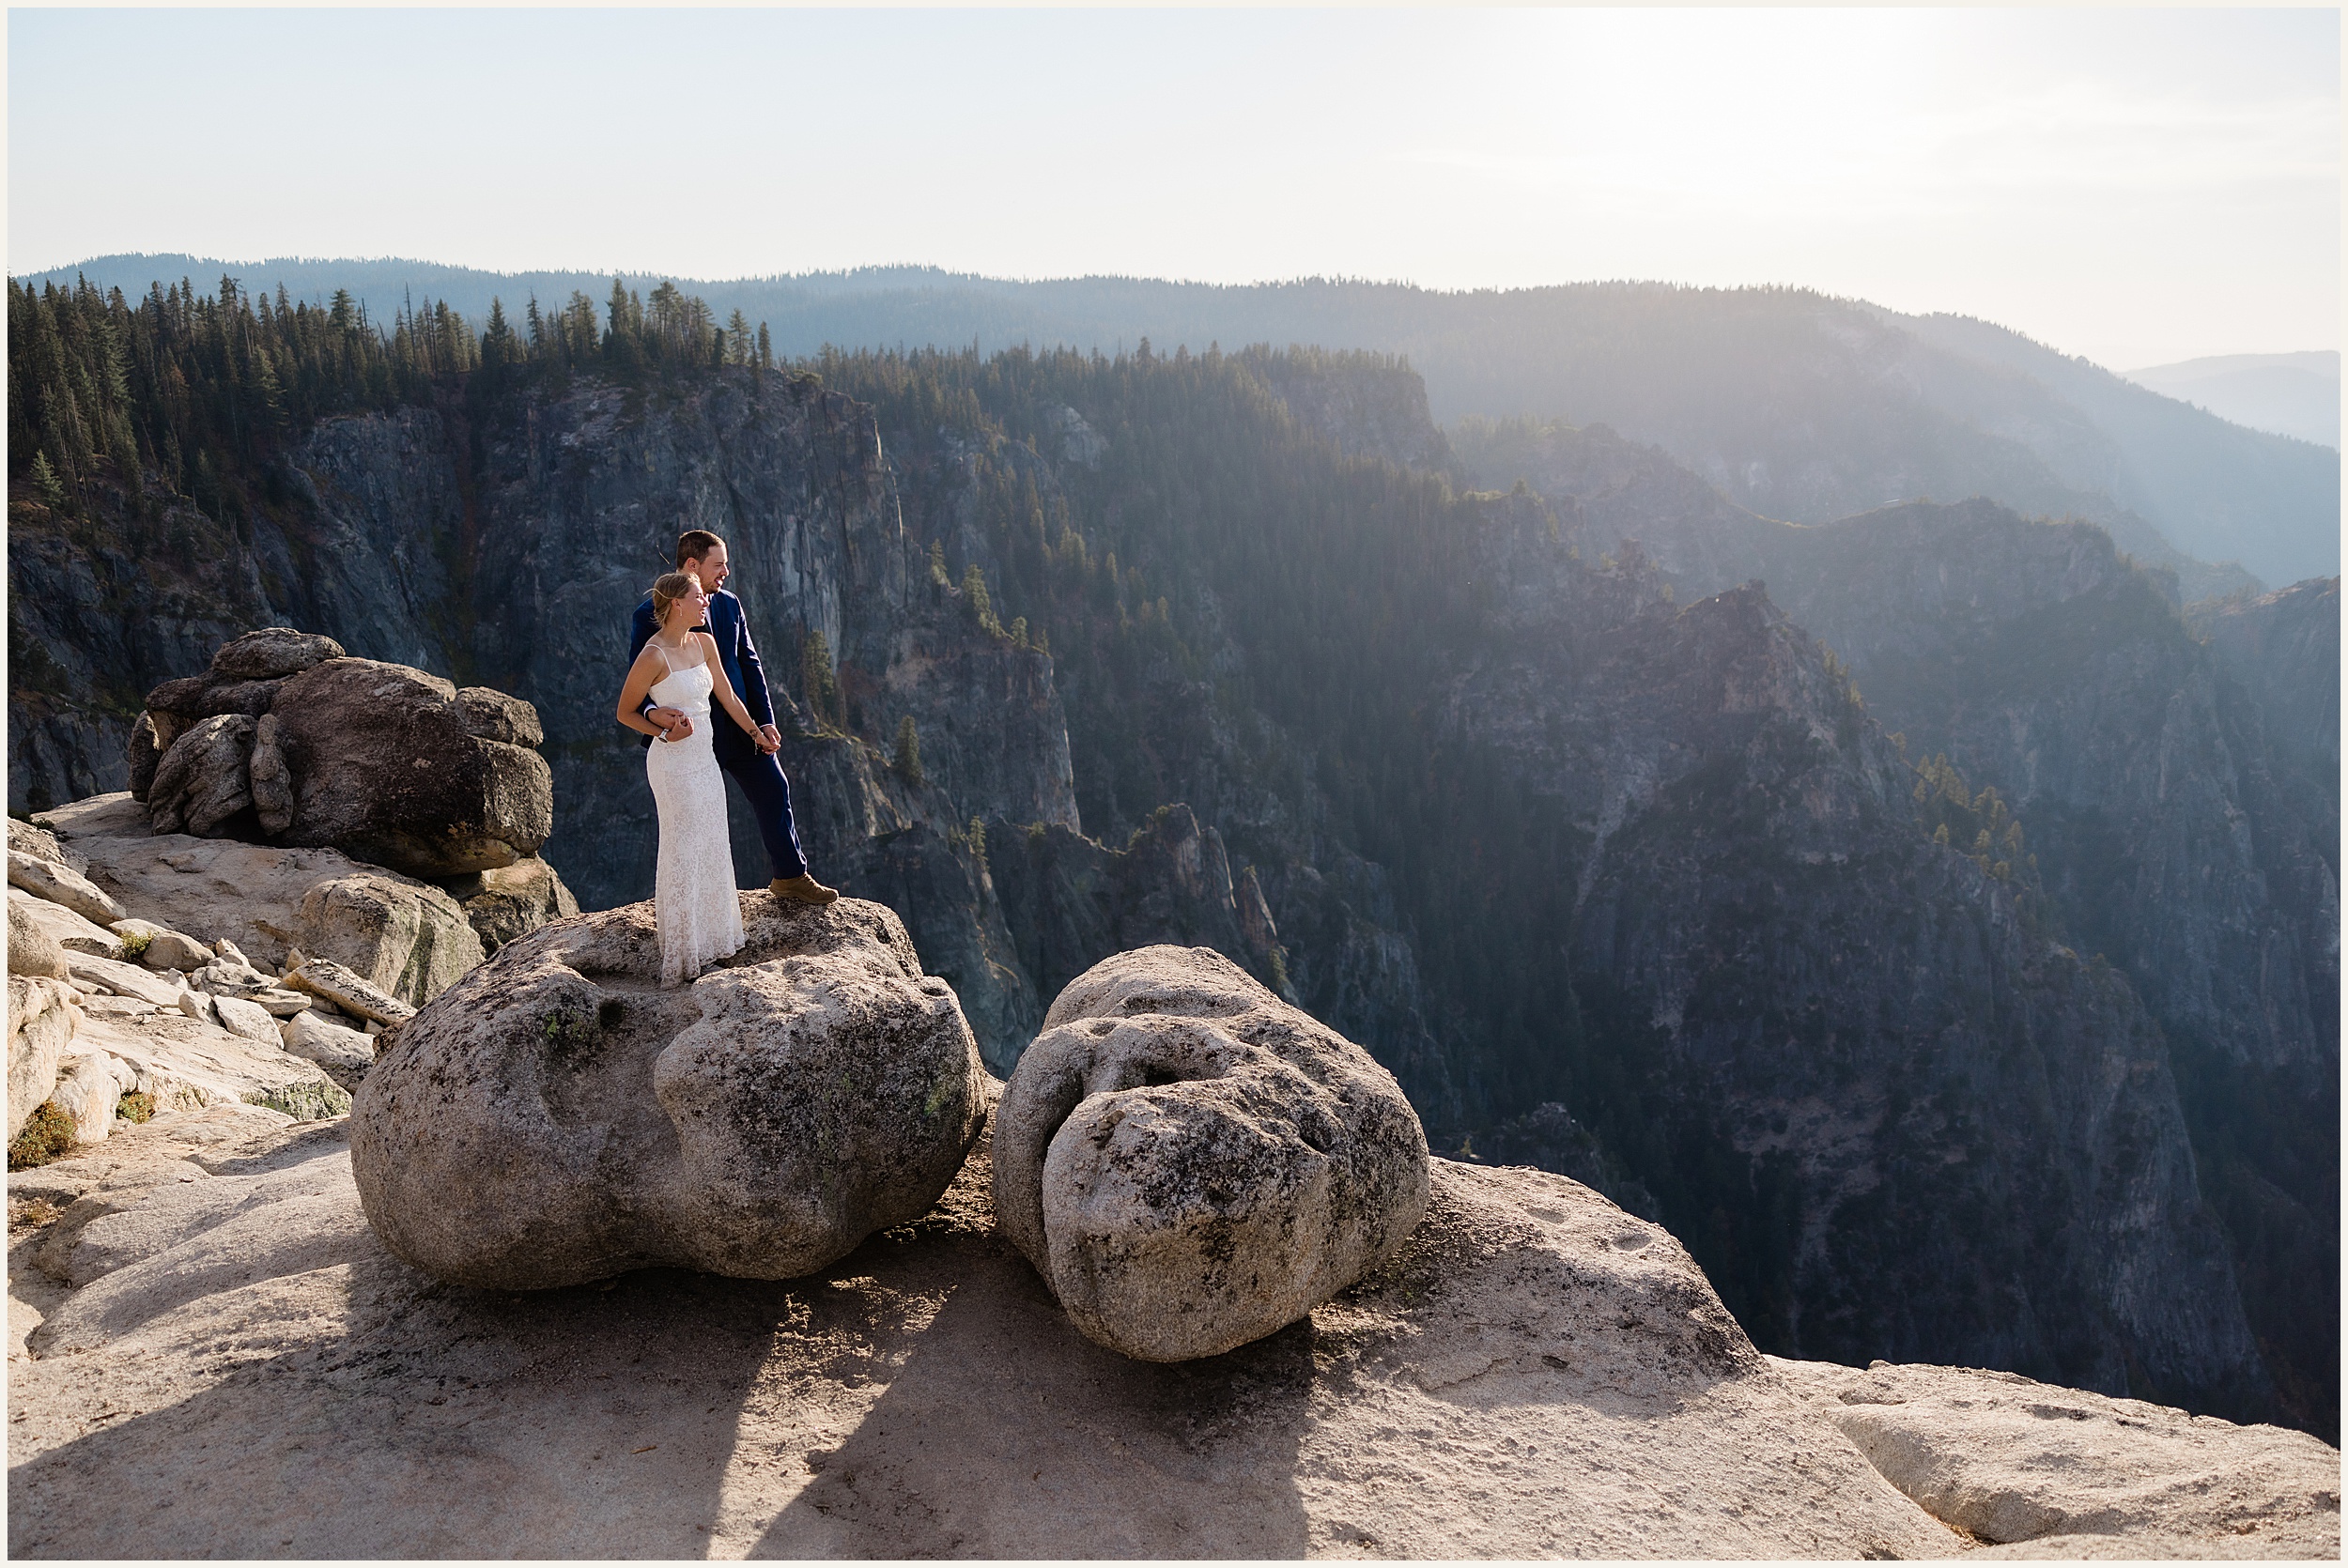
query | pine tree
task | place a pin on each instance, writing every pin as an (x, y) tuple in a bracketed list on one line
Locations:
[(982, 608), (817, 682), (46, 484), (908, 758)]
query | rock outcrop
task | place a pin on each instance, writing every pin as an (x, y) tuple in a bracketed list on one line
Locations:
[(33, 950), (45, 1015), (1535, 1374), (63, 885), (2283, 650), (1192, 1163), (401, 934), (2069, 1473), (557, 1117), (383, 761)]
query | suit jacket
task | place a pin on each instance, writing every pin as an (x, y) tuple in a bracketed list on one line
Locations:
[(732, 631)]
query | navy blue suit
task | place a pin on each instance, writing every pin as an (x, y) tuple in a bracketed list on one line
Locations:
[(758, 773)]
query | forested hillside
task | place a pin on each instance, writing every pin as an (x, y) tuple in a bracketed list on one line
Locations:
[(1216, 647), (1797, 405)]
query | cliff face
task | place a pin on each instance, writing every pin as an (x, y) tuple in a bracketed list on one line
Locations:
[(2165, 783), (1847, 1023), (2283, 651), (2178, 785), (2041, 662)]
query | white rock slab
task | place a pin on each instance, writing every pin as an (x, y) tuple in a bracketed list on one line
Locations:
[(73, 933), (188, 1066), (62, 884), (125, 979), (247, 1019), (2064, 1472)]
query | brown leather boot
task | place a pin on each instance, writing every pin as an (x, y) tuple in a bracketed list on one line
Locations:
[(802, 889)]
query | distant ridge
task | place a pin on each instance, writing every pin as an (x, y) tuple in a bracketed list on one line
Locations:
[(1795, 404), (2291, 394)]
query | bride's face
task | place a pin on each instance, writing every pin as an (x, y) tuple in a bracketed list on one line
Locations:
[(689, 609)]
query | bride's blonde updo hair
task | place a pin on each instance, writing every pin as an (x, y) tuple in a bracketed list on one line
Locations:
[(666, 588)]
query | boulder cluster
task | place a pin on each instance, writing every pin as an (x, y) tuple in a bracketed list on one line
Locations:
[(286, 741), (241, 926), (1190, 1162)]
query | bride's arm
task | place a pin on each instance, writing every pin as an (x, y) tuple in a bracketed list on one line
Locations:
[(722, 689), (641, 676)]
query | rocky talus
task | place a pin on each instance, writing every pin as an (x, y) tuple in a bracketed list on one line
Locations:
[(212, 943), (200, 1312)]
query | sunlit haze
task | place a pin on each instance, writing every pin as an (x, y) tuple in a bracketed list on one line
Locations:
[(2135, 186)]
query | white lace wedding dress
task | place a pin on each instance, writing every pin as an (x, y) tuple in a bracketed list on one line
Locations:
[(693, 894)]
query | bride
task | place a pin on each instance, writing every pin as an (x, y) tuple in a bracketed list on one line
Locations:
[(693, 895)]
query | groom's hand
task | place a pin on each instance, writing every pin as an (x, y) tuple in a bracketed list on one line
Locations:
[(769, 739), (665, 717)]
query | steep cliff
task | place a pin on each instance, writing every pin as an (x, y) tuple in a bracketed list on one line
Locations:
[(1852, 1033), (2178, 793)]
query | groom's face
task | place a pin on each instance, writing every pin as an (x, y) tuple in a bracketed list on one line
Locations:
[(712, 568)]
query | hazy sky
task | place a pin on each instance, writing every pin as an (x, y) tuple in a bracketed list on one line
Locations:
[(2135, 186)]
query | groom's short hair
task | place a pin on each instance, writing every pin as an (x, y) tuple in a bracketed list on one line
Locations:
[(693, 544)]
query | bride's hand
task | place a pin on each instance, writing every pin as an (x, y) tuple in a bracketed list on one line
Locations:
[(681, 729)]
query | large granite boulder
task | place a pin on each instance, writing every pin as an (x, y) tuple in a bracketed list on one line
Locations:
[(205, 780), (274, 652), (390, 765), (405, 938), (286, 741), (1190, 1163), (558, 1116)]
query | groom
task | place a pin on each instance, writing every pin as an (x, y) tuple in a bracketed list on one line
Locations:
[(704, 554)]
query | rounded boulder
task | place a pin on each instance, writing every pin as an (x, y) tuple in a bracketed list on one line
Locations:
[(558, 1116), (1192, 1163)]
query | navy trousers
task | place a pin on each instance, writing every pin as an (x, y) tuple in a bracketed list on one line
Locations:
[(768, 793)]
